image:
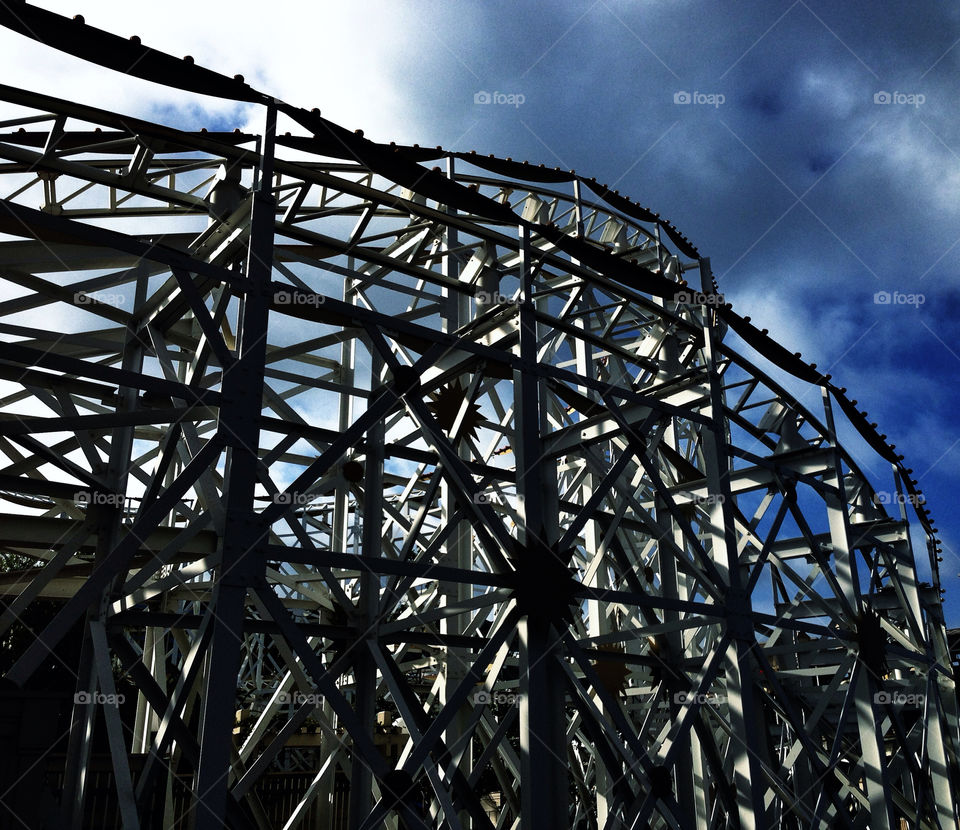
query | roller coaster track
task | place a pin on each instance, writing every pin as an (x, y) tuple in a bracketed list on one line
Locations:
[(302, 429)]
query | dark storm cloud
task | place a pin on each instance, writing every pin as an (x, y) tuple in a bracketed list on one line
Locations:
[(828, 173)]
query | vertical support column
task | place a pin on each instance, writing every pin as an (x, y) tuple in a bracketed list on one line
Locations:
[(935, 793), (747, 743), (364, 667), (458, 548), (873, 753), (340, 532), (939, 759), (906, 561), (82, 720), (110, 520), (543, 762), (598, 622), (578, 210), (941, 708), (241, 564), (873, 756), (144, 718), (692, 787)]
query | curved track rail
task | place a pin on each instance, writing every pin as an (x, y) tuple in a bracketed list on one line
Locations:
[(471, 469)]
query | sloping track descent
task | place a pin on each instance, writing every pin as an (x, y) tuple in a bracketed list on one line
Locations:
[(302, 430)]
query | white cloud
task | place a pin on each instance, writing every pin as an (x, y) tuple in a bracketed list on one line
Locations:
[(910, 149), (841, 91), (782, 303), (345, 59)]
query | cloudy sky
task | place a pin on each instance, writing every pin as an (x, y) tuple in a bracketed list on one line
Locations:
[(810, 149)]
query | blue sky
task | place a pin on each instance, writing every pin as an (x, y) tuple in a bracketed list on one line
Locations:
[(817, 162)]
